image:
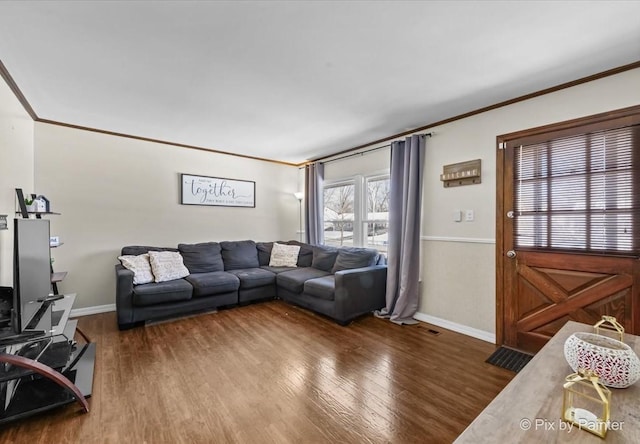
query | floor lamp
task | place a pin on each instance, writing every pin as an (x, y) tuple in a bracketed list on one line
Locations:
[(299, 195)]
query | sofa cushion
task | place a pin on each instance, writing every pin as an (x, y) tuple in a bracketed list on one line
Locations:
[(305, 256), (239, 254), (215, 282), (351, 257), (167, 265), (254, 277), (140, 266), (136, 250), (277, 270), (160, 293), (264, 252), (203, 257), (324, 257), (323, 287), (294, 280), (284, 255)]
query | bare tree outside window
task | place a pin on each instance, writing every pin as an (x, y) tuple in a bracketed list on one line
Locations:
[(339, 215), (377, 212), (356, 212)]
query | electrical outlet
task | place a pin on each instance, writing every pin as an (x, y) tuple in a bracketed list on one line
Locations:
[(469, 215)]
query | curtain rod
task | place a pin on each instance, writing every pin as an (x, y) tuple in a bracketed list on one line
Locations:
[(359, 153)]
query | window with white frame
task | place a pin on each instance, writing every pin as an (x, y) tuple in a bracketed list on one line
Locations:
[(356, 212)]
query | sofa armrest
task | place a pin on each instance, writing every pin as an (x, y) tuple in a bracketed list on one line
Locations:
[(359, 291), (124, 295)]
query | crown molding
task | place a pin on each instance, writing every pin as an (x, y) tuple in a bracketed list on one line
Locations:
[(4, 73), (542, 92)]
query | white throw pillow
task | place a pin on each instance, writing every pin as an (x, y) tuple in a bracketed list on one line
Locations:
[(284, 255), (140, 266), (167, 265)]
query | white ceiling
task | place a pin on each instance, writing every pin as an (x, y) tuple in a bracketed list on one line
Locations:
[(297, 80)]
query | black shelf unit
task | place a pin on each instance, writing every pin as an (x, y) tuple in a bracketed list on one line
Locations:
[(39, 213), (55, 370), (44, 368), (56, 277)]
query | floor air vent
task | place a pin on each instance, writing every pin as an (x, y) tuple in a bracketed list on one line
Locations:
[(510, 359)]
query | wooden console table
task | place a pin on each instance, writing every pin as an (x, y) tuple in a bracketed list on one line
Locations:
[(529, 408)]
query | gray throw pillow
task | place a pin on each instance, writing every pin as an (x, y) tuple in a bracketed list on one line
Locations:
[(204, 257), (239, 254), (351, 257), (324, 258)]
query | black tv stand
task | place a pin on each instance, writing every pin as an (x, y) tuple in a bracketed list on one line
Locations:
[(52, 298), (9, 337), (44, 369), (37, 317)]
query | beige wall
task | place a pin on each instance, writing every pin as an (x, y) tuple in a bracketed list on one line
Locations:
[(459, 257), (114, 191), (16, 170), (372, 162)]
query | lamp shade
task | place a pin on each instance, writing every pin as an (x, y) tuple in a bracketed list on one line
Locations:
[(299, 195)]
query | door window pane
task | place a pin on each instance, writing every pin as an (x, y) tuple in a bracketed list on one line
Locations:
[(579, 193)]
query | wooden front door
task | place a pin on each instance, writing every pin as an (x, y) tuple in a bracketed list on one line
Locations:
[(567, 249), (547, 290)]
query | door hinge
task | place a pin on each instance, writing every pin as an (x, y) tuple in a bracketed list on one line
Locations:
[(502, 145)]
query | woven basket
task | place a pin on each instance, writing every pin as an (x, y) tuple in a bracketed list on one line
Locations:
[(613, 361)]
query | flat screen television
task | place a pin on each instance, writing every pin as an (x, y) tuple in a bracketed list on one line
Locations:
[(31, 272)]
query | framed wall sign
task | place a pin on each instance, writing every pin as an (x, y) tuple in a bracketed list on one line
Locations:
[(217, 191)]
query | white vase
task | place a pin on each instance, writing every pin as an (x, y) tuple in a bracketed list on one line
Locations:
[(615, 363), (31, 208)]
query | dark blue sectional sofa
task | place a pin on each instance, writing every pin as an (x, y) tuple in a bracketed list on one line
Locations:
[(341, 283)]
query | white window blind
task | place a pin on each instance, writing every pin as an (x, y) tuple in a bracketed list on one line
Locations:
[(579, 193)]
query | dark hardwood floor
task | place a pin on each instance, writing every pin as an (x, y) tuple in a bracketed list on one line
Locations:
[(273, 373)]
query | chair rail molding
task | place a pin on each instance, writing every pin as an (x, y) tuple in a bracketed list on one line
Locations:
[(468, 240)]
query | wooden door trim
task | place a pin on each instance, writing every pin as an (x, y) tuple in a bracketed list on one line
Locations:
[(500, 303), (635, 314), (623, 117)]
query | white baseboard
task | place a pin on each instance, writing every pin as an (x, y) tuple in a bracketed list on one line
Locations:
[(459, 328), (77, 312)]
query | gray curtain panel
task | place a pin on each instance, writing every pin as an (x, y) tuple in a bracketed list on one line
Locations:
[(313, 179), (405, 201)]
